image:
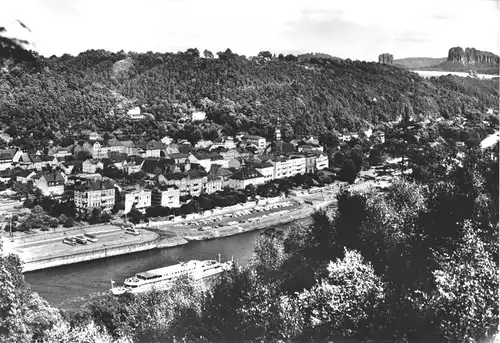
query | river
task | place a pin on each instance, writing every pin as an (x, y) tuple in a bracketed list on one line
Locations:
[(70, 286)]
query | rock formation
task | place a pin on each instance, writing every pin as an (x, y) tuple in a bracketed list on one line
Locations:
[(472, 56), (386, 58)]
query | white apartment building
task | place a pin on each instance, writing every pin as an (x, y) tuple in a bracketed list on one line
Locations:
[(289, 167), (267, 170), (93, 194), (166, 196), (260, 142), (321, 162), (141, 199)]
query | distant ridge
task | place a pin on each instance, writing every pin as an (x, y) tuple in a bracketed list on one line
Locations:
[(458, 60), (308, 56), (419, 62)]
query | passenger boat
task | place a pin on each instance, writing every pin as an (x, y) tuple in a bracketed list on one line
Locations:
[(164, 278)]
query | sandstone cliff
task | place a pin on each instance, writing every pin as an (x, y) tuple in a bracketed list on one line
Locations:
[(386, 58), (472, 56)]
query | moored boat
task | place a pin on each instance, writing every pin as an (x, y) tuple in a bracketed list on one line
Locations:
[(164, 278)]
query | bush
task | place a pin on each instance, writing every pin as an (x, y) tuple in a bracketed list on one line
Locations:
[(53, 223), (68, 223)]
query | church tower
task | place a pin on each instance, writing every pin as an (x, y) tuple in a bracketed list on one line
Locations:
[(277, 132)]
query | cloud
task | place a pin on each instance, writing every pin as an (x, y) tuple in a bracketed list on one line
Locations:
[(439, 16), (329, 32), (411, 37)]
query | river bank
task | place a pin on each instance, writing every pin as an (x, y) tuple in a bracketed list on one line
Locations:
[(150, 238)]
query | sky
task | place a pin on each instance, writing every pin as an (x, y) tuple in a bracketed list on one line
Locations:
[(356, 29)]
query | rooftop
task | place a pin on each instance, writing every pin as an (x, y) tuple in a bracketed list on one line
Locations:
[(246, 173)]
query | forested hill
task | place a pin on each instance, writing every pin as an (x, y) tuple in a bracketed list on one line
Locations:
[(92, 91)]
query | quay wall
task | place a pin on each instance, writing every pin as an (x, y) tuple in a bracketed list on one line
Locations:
[(86, 256), (165, 241)]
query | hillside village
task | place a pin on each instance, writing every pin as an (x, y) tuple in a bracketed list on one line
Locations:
[(93, 178)]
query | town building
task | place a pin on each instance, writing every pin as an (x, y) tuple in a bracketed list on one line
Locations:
[(101, 151), (135, 113), (266, 169), (167, 140), (140, 199), (50, 184), (91, 166), (203, 159), (258, 141), (212, 186), (36, 162), (166, 196), (190, 182), (6, 159), (244, 177), (218, 172), (284, 167), (25, 176), (322, 161), (199, 115), (61, 153), (94, 136), (95, 193)]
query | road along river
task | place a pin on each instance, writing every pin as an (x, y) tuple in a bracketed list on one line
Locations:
[(70, 286)]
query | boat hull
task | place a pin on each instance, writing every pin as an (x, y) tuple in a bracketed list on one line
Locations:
[(203, 279)]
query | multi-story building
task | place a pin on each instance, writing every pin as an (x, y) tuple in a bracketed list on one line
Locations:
[(244, 177), (266, 169), (190, 182), (202, 159), (310, 163), (297, 165), (101, 151), (212, 186), (260, 142), (284, 167), (51, 184), (321, 161), (166, 196), (91, 166), (60, 153), (36, 162), (227, 144), (96, 193), (141, 199), (6, 159)]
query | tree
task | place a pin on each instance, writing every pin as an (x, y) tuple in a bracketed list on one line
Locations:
[(193, 53), (251, 191), (265, 54), (375, 157), (349, 171), (268, 255), (357, 158), (466, 295), (208, 54), (342, 304)]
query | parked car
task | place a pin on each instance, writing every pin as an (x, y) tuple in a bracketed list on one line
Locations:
[(81, 239), (91, 238), (132, 231), (69, 241)]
